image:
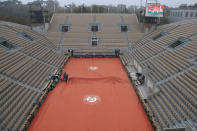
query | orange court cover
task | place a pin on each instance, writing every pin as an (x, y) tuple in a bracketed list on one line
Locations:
[(98, 97)]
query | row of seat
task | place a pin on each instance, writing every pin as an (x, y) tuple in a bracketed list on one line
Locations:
[(49, 56), (32, 62), (170, 62), (79, 35), (155, 47), (24, 74), (173, 72), (26, 45), (40, 38), (176, 102), (13, 37), (154, 121), (15, 101), (25, 69), (148, 38)]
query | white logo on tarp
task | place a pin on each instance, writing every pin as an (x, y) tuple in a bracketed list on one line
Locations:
[(93, 68), (91, 99)]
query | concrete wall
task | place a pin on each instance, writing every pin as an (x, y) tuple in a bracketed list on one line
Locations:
[(176, 15), (41, 29)]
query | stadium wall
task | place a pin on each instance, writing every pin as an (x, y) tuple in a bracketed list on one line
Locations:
[(176, 15)]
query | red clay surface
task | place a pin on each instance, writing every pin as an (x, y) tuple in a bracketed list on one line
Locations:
[(113, 107)]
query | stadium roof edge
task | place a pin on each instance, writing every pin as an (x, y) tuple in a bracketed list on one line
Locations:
[(13, 24)]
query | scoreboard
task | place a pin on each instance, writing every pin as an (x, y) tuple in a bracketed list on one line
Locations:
[(154, 10)]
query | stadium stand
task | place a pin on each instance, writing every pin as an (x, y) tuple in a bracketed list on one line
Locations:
[(166, 56), (109, 32), (26, 61), (170, 55)]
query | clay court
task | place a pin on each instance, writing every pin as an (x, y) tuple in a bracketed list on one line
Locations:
[(98, 97)]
